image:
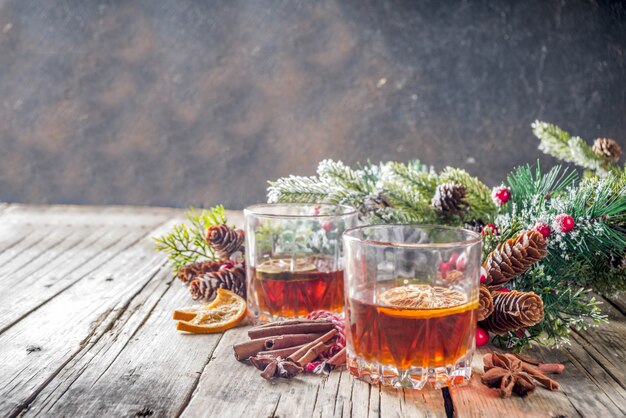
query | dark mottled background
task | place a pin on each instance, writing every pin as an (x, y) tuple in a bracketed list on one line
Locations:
[(200, 102)]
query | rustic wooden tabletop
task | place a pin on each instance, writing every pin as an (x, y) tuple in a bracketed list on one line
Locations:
[(86, 330)]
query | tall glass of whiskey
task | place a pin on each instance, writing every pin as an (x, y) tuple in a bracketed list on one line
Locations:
[(411, 296), (294, 258)]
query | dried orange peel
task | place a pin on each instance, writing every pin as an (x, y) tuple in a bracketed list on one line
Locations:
[(225, 312)]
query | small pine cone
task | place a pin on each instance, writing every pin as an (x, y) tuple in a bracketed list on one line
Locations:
[(449, 199), (512, 311), (514, 257), (607, 149), (190, 271), (485, 303), (230, 278), (224, 240), (475, 225), (373, 203)]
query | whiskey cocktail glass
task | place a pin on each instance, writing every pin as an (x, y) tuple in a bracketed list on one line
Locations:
[(411, 296), (294, 258)]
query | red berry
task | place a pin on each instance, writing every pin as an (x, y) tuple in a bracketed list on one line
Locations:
[(564, 223), (461, 262), (453, 258), (543, 229), (482, 337), (327, 226), (504, 290), (490, 229), (501, 195), (443, 268), (227, 265), (483, 275)]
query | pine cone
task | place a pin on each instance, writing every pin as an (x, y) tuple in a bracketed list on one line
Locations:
[(230, 278), (191, 271), (449, 199), (514, 257), (224, 240), (475, 225), (607, 149), (485, 303), (513, 310), (373, 203)]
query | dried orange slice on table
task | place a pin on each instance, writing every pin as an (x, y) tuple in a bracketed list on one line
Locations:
[(225, 312)]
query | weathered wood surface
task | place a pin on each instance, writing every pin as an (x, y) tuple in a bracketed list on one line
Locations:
[(85, 330)]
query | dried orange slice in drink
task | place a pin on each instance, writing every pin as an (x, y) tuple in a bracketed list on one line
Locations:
[(225, 312), (279, 266), (422, 296)]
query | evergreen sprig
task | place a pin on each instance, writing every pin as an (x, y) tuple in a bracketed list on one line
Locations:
[(565, 308), (408, 188), (589, 256), (576, 260), (478, 194), (556, 142), (185, 244)]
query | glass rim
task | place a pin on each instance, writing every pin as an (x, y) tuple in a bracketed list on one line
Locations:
[(256, 210), (348, 236)]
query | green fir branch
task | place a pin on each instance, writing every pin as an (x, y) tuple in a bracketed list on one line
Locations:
[(297, 189), (527, 184), (419, 178), (478, 193), (566, 307), (185, 243), (559, 144)]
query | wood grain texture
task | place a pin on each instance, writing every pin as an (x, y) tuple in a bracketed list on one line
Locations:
[(188, 102), (101, 342)]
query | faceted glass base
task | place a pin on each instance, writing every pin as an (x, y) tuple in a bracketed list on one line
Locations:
[(413, 378)]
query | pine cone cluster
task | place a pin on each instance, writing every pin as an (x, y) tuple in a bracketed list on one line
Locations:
[(225, 240), (514, 257), (227, 277), (485, 303), (449, 199), (607, 149), (189, 272), (512, 311)]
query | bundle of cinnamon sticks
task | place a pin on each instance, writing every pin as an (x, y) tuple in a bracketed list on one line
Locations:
[(283, 349)]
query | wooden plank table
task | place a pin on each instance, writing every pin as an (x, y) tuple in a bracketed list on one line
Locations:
[(86, 330)]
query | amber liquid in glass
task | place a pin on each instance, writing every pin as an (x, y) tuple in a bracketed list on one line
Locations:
[(289, 292), (426, 334)]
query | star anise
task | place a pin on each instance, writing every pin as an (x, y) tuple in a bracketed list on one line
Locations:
[(276, 367), (506, 374)]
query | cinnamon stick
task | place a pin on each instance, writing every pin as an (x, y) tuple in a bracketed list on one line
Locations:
[(312, 353), (528, 359), (245, 350), (283, 352), (289, 340), (551, 368), (338, 359), (290, 327), (304, 350), (540, 377)]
